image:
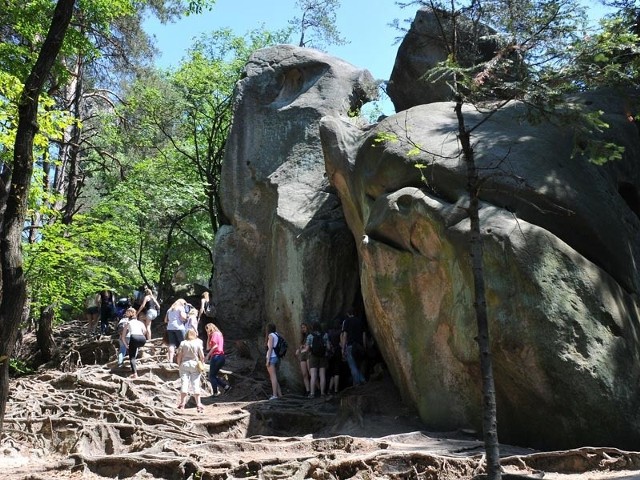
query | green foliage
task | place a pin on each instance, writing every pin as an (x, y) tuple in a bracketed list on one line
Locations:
[(196, 7), (317, 23), (18, 368), (610, 57), (543, 53), (70, 262), (384, 137), (51, 121), (589, 141), (168, 139)]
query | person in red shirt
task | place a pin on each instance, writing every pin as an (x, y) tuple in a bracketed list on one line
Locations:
[(215, 357)]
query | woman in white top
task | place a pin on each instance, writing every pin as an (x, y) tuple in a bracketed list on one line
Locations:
[(124, 341), (192, 320), (134, 335), (189, 352), (175, 318), (273, 361)]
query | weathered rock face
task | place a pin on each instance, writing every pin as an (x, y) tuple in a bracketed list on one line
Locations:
[(287, 256), (424, 46), (561, 241)]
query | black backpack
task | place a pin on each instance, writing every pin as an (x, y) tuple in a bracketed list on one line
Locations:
[(209, 310), (281, 347), (318, 348)]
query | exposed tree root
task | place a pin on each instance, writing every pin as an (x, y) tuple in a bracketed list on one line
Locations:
[(88, 416)]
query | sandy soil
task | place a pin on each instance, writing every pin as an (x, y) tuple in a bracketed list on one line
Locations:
[(81, 419)]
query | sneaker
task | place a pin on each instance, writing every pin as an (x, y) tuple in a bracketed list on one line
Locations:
[(273, 397), (227, 388), (215, 394)]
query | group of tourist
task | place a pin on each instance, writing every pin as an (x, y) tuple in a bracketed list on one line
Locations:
[(321, 355), (182, 321), (106, 307)]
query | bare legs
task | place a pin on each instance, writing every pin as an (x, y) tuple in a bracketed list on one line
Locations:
[(304, 368), (189, 380), (315, 373), (334, 383), (275, 385), (92, 322), (147, 324)]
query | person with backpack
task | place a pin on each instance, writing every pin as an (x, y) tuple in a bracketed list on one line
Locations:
[(273, 360), (206, 315), (107, 300), (318, 362), (206, 311)]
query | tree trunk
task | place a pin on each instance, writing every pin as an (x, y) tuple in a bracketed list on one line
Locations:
[(44, 335), (74, 182), (489, 410), (12, 281)]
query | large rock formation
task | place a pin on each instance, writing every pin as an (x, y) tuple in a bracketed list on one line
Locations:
[(561, 239), (562, 249), (287, 255)]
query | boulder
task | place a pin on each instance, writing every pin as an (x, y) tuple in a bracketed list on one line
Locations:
[(424, 46), (287, 255), (561, 254)]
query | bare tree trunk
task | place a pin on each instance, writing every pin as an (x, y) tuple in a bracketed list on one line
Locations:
[(12, 281), (44, 335), (74, 182), (489, 410)]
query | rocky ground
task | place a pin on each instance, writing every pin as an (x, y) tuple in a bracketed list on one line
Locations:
[(83, 417)]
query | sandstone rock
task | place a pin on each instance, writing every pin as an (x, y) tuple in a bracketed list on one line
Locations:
[(287, 256), (423, 47), (562, 247)]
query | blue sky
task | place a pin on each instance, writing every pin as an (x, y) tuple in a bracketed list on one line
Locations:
[(363, 22)]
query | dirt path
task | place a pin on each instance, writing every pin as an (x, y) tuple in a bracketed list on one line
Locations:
[(90, 421)]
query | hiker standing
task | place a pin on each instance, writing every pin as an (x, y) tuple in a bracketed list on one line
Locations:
[(352, 341), (316, 345), (334, 354), (124, 339), (92, 311), (189, 352), (272, 361), (303, 356)]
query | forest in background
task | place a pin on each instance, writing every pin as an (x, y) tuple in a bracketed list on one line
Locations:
[(119, 183)]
